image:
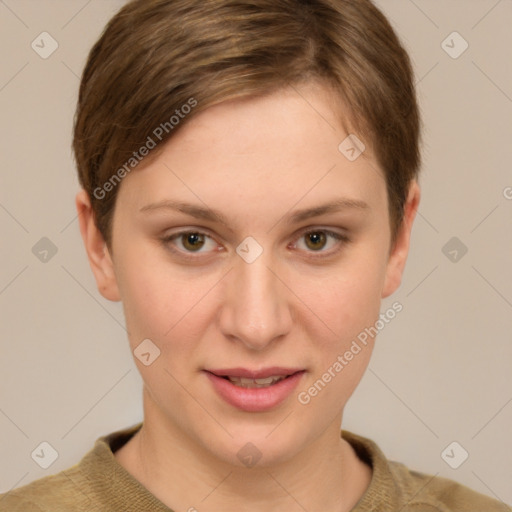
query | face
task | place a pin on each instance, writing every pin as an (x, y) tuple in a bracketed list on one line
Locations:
[(252, 247)]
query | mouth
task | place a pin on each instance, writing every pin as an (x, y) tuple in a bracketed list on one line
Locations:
[(246, 378), (255, 390), (244, 382)]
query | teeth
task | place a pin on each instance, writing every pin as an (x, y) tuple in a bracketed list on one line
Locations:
[(244, 382)]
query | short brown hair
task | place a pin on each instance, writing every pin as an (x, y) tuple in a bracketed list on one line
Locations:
[(157, 56)]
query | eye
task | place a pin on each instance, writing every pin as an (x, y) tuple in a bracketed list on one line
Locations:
[(190, 242), (321, 241)]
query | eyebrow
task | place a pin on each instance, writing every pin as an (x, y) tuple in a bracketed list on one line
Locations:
[(210, 214)]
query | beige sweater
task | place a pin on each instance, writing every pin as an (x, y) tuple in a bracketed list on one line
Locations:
[(98, 483)]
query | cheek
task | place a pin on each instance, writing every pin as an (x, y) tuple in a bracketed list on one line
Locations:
[(346, 299), (346, 303), (342, 350), (155, 298)]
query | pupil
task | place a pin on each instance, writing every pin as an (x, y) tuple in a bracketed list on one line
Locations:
[(317, 240), (191, 241)]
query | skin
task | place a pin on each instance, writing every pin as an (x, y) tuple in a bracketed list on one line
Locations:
[(257, 161)]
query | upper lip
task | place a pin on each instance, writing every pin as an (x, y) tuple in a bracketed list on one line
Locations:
[(255, 374)]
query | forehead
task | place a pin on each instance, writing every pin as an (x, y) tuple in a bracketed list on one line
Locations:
[(276, 121), (269, 150)]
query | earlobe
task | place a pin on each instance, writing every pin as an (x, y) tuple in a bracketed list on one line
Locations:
[(98, 253), (400, 250)]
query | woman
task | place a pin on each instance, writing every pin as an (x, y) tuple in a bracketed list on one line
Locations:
[(249, 174)]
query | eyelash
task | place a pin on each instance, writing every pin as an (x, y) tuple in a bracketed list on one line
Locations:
[(341, 239)]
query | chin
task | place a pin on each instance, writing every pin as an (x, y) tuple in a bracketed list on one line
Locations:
[(258, 446)]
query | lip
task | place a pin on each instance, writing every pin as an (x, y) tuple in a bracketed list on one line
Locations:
[(254, 399), (255, 374)]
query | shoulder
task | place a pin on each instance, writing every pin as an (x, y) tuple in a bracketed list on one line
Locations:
[(96, 482), (55, 493), (13, 502), (395, 487), (431, 493)]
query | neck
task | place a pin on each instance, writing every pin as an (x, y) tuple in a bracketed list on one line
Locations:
[(326, 476)]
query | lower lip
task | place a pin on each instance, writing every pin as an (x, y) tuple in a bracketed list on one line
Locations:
[(255, 399)]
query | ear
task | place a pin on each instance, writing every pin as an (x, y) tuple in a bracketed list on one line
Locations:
[(400, 249), (97, 250)]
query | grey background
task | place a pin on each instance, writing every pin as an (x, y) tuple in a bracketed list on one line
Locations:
[(441, 370)]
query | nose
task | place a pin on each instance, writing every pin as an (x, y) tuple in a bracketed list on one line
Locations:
[(256, 309)]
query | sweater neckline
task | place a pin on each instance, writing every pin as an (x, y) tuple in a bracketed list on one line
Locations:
[(117, 487)]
